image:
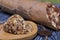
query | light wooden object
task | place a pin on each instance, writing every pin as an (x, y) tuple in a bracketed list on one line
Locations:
[(29, 36)]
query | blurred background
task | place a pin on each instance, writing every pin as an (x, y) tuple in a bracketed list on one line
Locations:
[(52, 1)]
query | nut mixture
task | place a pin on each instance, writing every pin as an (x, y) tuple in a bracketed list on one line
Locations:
[(17, 25), (54, 16)]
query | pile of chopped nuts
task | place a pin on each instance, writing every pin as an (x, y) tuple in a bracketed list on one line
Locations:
[(54, 17), (17, 25)]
